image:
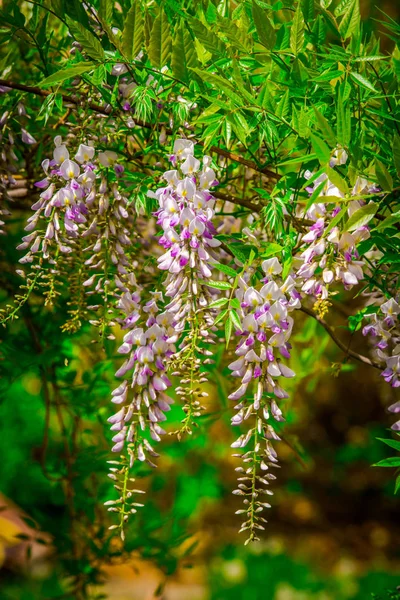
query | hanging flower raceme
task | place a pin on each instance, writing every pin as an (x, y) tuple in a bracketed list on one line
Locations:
[(147, 350), (384, 329), (185, 215), (331, 254), (141, 398), (82, 215), (110, 239), (266, 326), (62, 208), (8, 168)]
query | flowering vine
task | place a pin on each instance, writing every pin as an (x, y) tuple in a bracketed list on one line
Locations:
[(186, 216), (84, 224), (265, 329), (384, 330)]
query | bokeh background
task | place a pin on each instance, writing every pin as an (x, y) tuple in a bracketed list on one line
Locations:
[(334, 528)]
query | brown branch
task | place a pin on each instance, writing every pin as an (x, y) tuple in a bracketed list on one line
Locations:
[(107, 110), (243, 161), (235, 200), (339, 343), (104, 110)]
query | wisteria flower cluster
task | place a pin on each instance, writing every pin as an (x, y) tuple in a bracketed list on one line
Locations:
[(84, 214), (265, 329), (186, 216), (384, 330), (330, 254)]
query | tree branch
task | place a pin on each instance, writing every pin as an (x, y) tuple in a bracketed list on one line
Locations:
[(235, 200), (341, 345), (107, 110), (14, 85)]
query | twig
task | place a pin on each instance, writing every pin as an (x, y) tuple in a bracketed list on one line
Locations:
[(14, 85), (340, 344), (235, 200)]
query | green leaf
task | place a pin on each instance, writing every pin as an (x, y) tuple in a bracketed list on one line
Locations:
[(228, 331), (361, 217), (299, 160), (390, 220), (211, 13), (209, 134), (18, 16), (58, 99), (46, 108), (89, 42), (328, 75), (218, 303), (106, 10), (99, 76), (326, 130), (392, 443), (234, 302), (240, 251), (73, 8), (396, 153), (307, 7), (342, 7), (300, 73), (297, 32), (392, 461), (337, 180), (221, 316), (240, 84), (343, 122), (264, 96), (220, 83), (368, 58), (159, 49), (265, 30), (321, 149), (271, 249), (282, 108), (315, 195), (384, 177), (313, 177), (234, 317), (351, 19), (68, 73), (335, 220), (184, 56), (133, 33), (225, 269), (219, 285), (397, 484), (287, 265), (239, 126), (207, 38), (362, 81), (176, 7), (203, 55)]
